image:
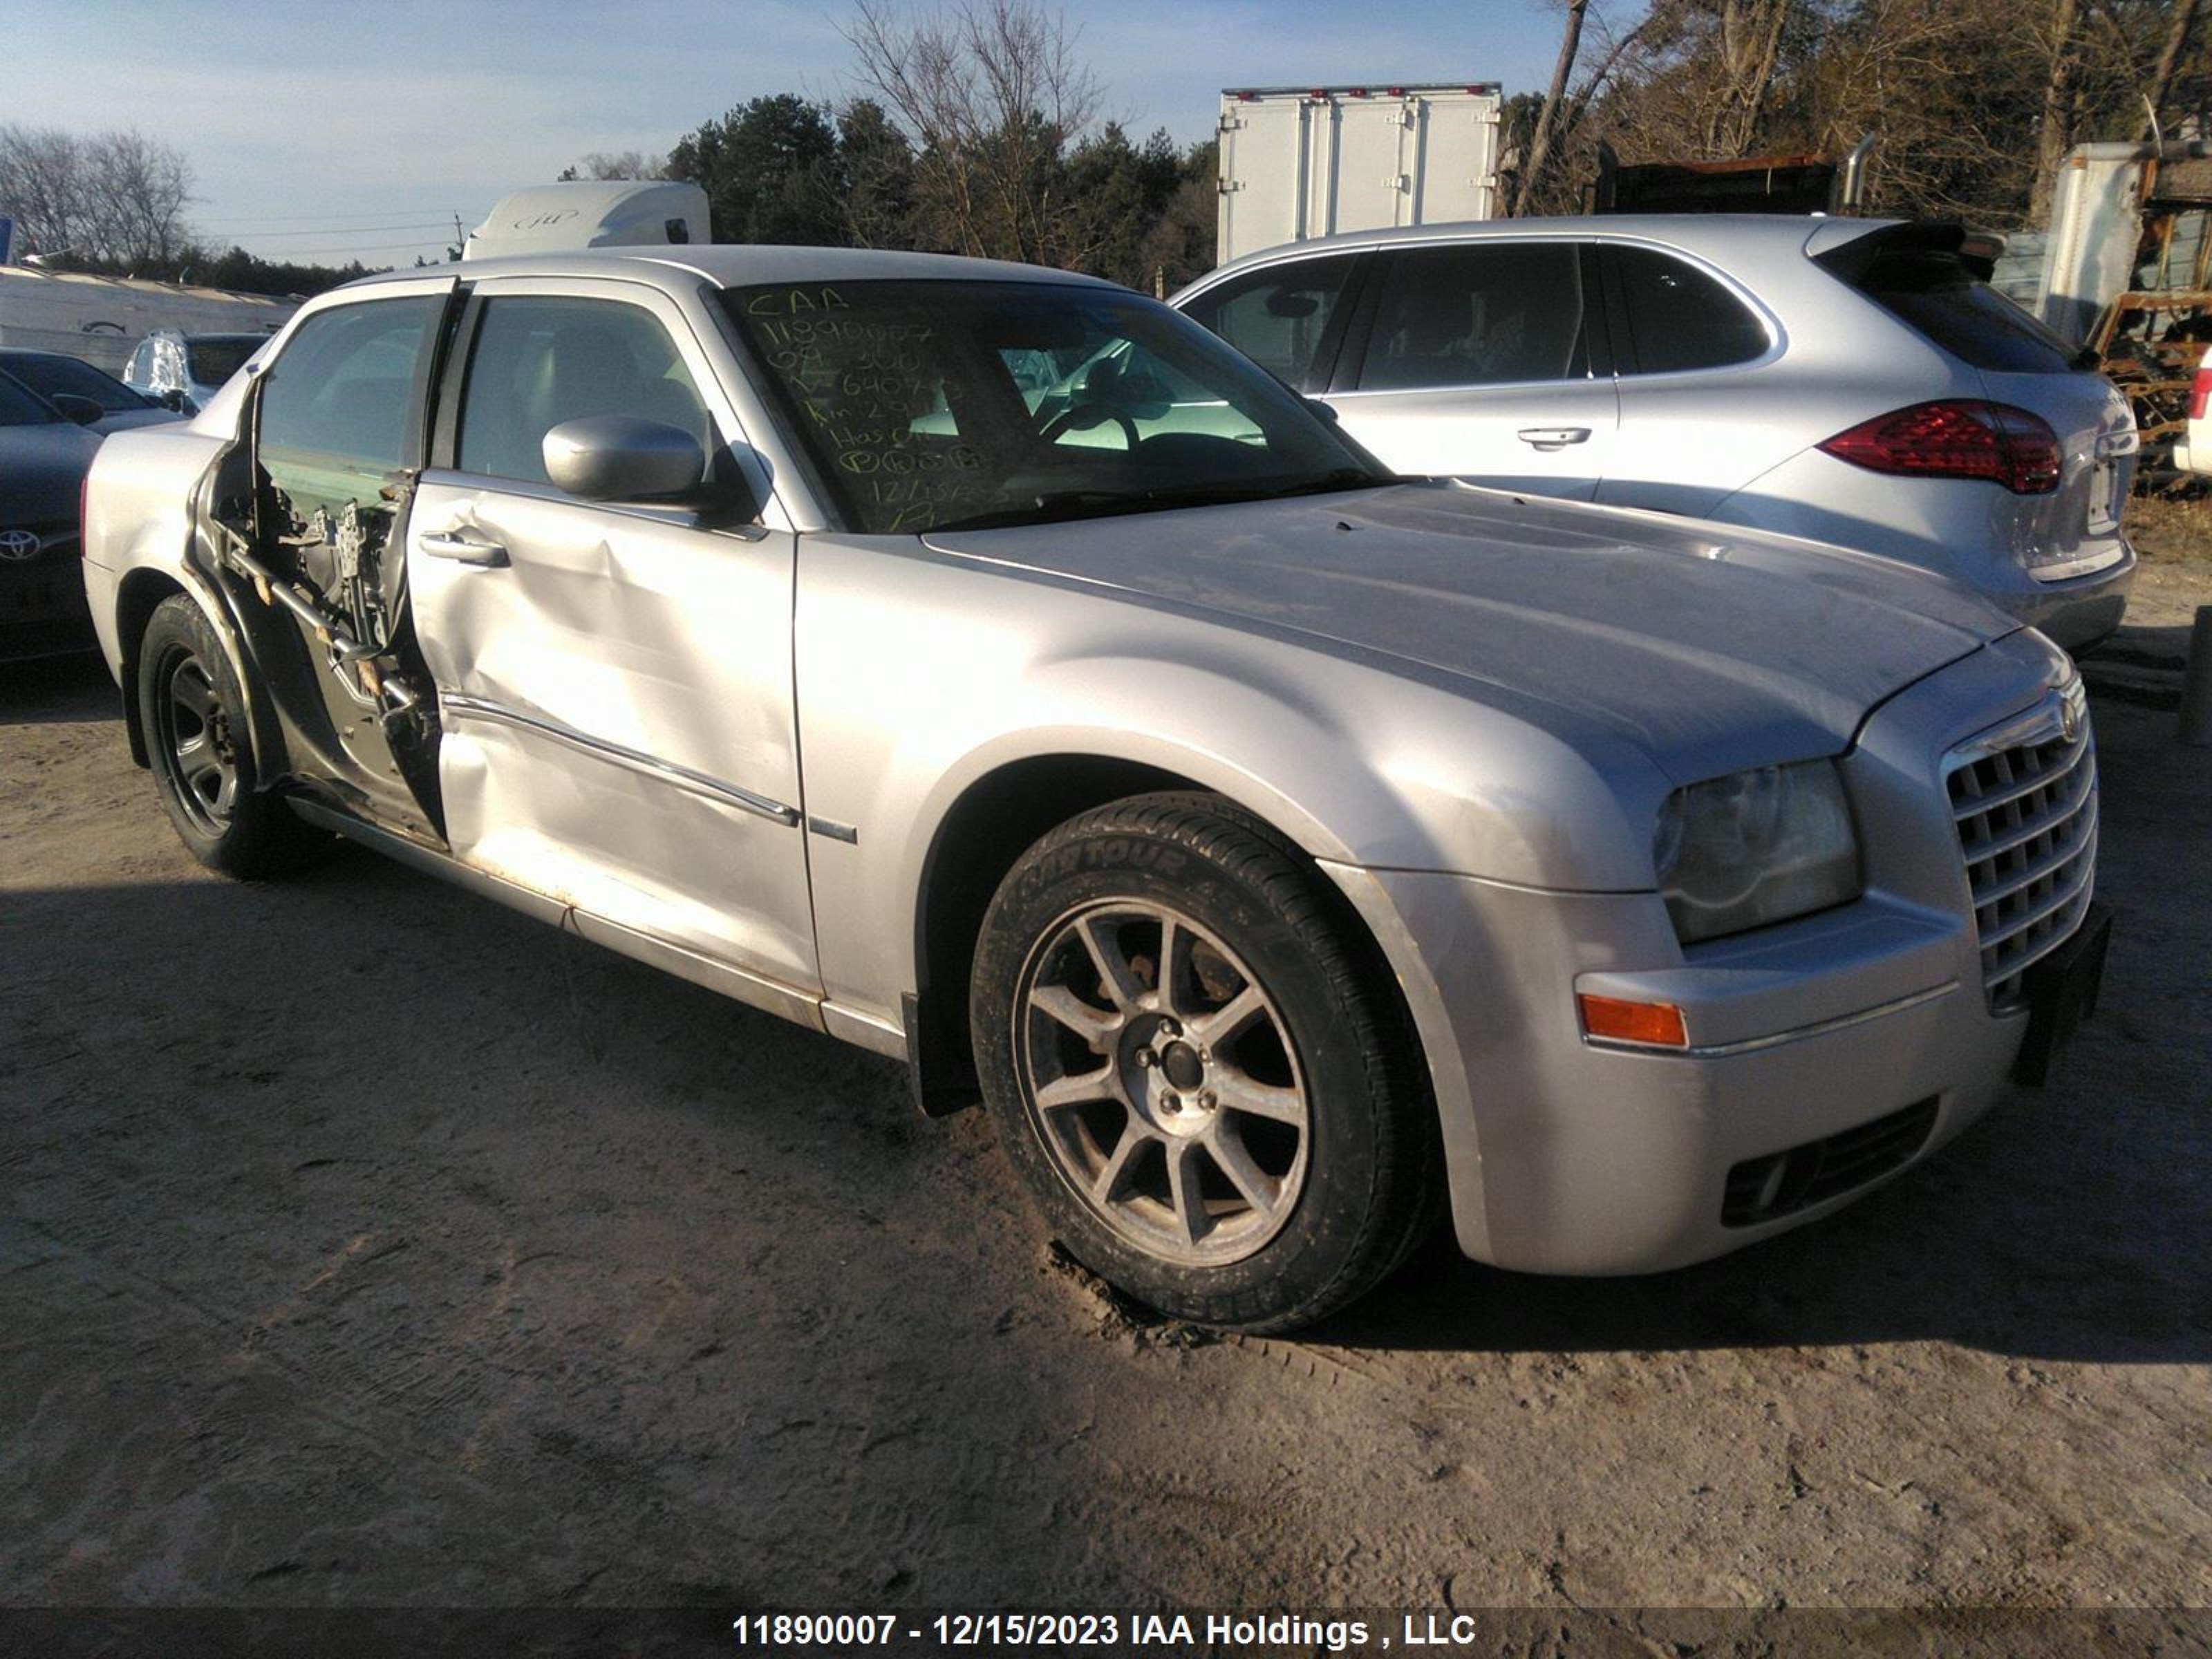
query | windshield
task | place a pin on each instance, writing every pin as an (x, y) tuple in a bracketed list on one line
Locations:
[(217, 357), (48, 376), (19, 407), (939, 406)]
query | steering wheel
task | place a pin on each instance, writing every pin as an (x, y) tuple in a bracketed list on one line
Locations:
[(1080, 415)]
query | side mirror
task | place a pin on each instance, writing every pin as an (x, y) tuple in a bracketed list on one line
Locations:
[(622, 458), (1327, 411), (82, 410), (173, 398)]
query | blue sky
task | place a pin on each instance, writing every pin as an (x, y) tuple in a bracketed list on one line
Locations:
[(326, 131)]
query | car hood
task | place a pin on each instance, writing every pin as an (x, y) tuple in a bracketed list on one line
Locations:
[(40, 468), (1708, 646)]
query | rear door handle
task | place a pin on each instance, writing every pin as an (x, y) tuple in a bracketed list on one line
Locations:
[(1552, 437), (463, 548)]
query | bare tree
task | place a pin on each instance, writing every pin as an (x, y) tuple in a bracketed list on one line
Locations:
[(143, 187), (1750, 50), (1976, 101), (2054, 133), (116, 198), (42, 186), (2162, 79), (616, 164), (1547, 117), (989, 94)]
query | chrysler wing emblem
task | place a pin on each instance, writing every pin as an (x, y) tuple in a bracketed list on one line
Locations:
[(19, 544), (2070, 720)]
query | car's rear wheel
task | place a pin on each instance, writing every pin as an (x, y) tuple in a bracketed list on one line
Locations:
[(202, 751), (1207, 1083)]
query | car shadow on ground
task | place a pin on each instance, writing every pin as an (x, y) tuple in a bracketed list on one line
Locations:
[(1900, 1268), (47, 689), (2023, 1239)]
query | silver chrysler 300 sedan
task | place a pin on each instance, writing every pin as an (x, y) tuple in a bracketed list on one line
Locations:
[(1282, 850), (1849, 380)]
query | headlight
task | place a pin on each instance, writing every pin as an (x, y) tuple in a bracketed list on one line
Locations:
[(1755, 847)]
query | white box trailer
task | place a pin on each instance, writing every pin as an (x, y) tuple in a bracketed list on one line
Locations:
[(1298, 162), (100, 319)]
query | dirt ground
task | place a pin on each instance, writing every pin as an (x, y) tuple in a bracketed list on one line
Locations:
[(363, 1243), (2173, 574)]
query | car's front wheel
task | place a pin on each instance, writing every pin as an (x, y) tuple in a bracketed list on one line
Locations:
[(201, 752), (1203, 1077)]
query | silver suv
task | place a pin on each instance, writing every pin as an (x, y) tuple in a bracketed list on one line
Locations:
[(990, 667), (1850, 380)]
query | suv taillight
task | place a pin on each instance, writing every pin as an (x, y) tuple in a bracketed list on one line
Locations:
[(1958, 438), (2200, 394)]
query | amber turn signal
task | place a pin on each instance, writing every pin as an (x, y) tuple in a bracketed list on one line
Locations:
[(1657, 1024)]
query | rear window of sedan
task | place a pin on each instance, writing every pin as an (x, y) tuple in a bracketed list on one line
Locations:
[(19, 407), (1948, 304), (215, 359), (48, 375)]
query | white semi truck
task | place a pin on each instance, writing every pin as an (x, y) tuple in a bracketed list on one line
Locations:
[(1298, 162), (592, 213)]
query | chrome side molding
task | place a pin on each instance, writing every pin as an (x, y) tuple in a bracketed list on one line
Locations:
[(453, 705)]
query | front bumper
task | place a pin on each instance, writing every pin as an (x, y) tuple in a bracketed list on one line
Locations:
[(1865, 1027)]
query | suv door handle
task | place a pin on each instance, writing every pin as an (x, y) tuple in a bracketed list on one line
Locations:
[(1552, 437), (463, 548)]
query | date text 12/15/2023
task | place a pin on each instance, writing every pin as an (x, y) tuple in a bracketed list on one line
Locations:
[(1212, 1634)]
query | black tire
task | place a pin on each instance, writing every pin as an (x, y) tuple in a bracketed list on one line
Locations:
[(202, 752), (1241, 910)]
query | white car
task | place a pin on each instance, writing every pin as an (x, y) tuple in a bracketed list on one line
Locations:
[(2192, 452)]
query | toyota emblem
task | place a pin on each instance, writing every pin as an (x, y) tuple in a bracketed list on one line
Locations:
[(19, 544)]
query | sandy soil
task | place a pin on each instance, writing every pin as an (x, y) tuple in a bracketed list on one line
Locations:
[(361, 1242)]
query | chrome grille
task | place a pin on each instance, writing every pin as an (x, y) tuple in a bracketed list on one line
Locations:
[(2025, 798)]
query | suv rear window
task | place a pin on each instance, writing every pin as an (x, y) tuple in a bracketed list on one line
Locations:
[(1678, 318), (1936, 295)]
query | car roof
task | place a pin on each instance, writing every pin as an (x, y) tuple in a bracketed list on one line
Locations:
[(728, 264), (1716, 235)]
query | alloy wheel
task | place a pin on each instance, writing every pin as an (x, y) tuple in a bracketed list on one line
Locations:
[(1162, 1082)]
